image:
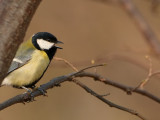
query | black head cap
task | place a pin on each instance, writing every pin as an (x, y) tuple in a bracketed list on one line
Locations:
[(46, 36)]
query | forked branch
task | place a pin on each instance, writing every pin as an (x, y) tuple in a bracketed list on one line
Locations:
[(22, 98)]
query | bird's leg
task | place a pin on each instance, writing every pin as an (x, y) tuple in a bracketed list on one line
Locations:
[(28, 90)]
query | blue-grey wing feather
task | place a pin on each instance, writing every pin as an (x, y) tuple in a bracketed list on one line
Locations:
[(20, 60)]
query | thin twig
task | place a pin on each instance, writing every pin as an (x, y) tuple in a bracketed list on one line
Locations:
[(93, 66), (82, 70), (67, 62), (150, 74), (141, 85), (128, 89), (111, 104)]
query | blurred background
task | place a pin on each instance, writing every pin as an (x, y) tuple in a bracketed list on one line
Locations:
[(99, 31)]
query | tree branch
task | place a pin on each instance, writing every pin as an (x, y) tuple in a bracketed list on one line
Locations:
[(111, 104), (56, 81), (15, 16), (142, 24), (22, 98), (26, 97), (128, 89)]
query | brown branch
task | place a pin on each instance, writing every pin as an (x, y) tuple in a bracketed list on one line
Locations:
[(141, 85), (22, 98), (56, 81), (111, 57), (15, 16), (111, 104), (142, 24), (25, 97), (150, 74), (68, 63), (155, 5), (128, 89)]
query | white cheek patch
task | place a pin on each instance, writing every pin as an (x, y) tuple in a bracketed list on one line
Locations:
[(43, 44)]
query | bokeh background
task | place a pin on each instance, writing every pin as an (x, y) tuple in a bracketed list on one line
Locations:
[(97, 31)]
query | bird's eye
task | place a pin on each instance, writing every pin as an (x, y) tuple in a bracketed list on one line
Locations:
[(48, 40)]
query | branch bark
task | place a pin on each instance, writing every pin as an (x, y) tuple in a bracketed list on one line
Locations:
[(56, 81), (128, 89), (25, 97), (142, 24), (146, 30), (111, 104), (15, 16)]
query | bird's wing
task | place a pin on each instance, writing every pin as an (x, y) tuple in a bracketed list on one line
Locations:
[(23, 55), (19, 61)]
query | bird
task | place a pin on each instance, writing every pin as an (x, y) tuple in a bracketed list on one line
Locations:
[(31, 61)]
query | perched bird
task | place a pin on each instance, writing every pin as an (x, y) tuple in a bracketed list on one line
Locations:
[(31, 61)]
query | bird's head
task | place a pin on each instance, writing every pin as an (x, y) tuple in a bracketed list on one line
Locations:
[(45, 41)]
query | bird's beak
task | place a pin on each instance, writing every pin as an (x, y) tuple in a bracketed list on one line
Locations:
[(59, 42)]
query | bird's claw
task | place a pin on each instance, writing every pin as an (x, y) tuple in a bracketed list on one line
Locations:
[(29, 96), (42, 91)]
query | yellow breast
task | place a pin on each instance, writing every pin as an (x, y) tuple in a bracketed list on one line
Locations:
[(30, 72)]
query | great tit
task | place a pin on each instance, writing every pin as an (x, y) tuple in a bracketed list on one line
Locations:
[(31, 61)]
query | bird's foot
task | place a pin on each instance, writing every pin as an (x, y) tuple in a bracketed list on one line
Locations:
[(29, 97), (42, 91)]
